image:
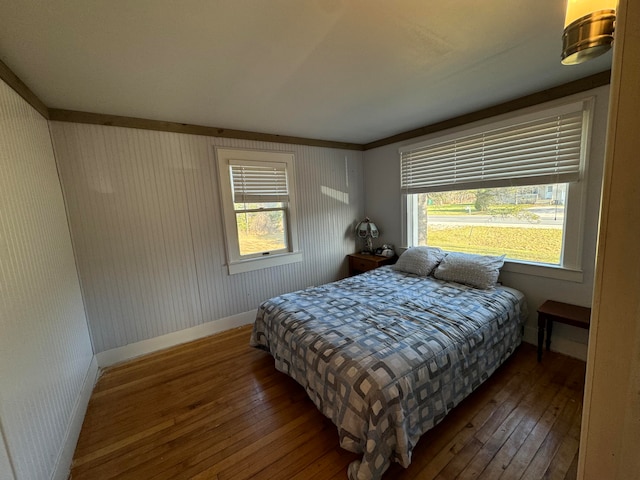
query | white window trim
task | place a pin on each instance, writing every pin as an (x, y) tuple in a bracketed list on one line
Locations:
[(236, 264), (541, 270), (570, 268)]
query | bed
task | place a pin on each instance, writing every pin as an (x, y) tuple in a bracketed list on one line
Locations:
[(386, 354)]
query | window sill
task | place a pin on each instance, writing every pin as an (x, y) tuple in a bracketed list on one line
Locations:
[(243, 266), (547, 271)]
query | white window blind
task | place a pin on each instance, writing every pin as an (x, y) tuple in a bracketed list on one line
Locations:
[(539, 151), (258, 182)]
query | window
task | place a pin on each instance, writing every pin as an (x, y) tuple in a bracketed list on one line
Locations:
[(514, 187), (259, 208), (516, 221)]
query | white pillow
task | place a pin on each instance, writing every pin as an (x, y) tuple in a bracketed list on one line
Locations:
[(419, 260), (480, 271)]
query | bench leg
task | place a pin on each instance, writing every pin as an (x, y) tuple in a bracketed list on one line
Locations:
[(540, 337), (549, 328)]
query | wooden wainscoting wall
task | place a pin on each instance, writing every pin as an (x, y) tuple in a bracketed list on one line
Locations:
[(217, 409)]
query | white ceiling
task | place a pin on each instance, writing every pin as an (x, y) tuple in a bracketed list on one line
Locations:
[(343, 70)]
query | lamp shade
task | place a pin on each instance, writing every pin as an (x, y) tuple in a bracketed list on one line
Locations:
[(366, 228), (588, 29)]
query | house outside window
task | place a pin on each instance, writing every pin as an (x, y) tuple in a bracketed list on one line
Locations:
[(258, 200), (514, 187)]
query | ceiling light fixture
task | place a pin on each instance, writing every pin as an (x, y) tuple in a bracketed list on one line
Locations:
[(588, 30)]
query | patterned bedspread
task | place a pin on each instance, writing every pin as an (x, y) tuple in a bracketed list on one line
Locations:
[(385, 355)]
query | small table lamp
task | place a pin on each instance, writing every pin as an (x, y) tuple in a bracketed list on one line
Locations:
[(367, 229)]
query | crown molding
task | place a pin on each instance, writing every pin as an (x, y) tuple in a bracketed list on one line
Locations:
[(146, 124), (566, 89), (21, 89), (570, 88)]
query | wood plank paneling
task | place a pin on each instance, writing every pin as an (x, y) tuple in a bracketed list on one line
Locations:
[(45, 351), (146, 221), (130, 223), (217, 408)]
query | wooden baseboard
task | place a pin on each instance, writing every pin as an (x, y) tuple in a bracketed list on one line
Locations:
[(133, 350)]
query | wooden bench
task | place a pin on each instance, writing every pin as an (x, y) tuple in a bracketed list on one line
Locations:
[(552, 311)]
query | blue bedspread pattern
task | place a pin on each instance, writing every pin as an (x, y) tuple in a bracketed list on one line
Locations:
[(385, 355)]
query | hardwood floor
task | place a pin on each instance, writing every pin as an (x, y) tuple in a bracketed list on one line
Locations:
[(217, 409)]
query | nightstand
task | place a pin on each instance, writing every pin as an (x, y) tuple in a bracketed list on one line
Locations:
[(360, 262), (551, 311)]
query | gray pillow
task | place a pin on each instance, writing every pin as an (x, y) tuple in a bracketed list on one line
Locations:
[(480, 271), (419, 260)]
